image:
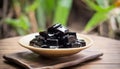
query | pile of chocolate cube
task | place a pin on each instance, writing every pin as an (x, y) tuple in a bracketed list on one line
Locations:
[(57, 36)]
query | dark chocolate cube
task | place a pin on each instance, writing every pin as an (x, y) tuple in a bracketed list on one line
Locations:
[(71, 38), (36, 43), (40, 42), (51, 36), (56, 25), (71, 33), (59, 35), (57, 28), (62, 29), (39, 37), (82, 42), (76, 44), (44, 34), (32, 42), (53, 29), (63, 40), (68, 45), (52, 42), (68, 39)]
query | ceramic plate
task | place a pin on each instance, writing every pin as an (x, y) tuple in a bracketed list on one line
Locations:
[(24, 41)]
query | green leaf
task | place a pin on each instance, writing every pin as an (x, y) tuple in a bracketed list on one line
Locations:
[(62, 12), (40, 16), (33, 6), (12, 22), (95, 20), (49, 6), (24, 22), (21, 23), (110, 8), (103, 3), (102, 10), (92, 5)]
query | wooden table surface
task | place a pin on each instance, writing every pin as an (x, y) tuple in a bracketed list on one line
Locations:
[(110, 48)]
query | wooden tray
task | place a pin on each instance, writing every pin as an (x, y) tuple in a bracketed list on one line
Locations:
[(30, 60)]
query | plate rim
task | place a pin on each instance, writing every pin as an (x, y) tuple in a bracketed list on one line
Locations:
[(28, 46)]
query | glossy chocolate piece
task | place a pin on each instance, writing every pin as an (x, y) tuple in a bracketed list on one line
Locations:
[(57, 36), (71, 33), (62, 29), (53, 29), (44, 46), (82, 42), (52, 42), (68, 45), (67, 39), (71, 38), (76, 44), (32, 42), (57, 28), (44, 34)]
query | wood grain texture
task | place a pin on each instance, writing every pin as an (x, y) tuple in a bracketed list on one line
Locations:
[(110, 48), (31, 60)]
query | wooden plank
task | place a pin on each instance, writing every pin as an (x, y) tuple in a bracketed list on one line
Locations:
[(106, 58), (11, 47), (110, 48), (80, 66), (96, 66)]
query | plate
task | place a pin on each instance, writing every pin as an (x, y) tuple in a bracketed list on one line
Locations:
[(60, 52)]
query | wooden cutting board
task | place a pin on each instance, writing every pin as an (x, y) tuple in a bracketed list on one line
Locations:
[(30, 60)]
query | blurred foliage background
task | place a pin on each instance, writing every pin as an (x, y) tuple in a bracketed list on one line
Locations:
[(98, 17)]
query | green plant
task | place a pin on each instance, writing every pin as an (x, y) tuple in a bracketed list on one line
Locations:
[(36, 14), (53, 11), (44, 12), (20, 24), (62, 12), (102, 13)]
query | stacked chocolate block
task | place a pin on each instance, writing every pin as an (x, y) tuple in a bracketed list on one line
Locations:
[(57, 36)]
